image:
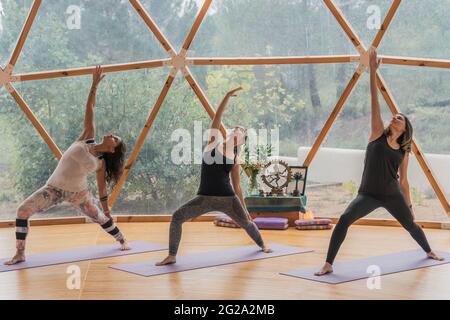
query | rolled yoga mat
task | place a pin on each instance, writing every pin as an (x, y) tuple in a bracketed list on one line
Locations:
[(81, 254), (364, 268), (315, 227), (209, 259), (225, 221), (272, 223), (312, 222)]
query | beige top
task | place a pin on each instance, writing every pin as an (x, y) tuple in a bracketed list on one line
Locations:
[(74, 167)]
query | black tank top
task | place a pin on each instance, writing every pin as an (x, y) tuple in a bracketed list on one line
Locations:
[(381, 164), (215, 174)]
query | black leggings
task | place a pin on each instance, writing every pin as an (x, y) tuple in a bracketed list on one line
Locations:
[(364, 204)]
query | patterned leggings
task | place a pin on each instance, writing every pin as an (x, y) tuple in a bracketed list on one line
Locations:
[(49, 196), (203, 204)]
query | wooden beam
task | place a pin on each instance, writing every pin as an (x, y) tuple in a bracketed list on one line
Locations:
[(90, 70), (326, 128), (203, 99), (393, 106), (385, 92), (389, 223), (387, 21), (58, 221), (46, 222), (24, 33), (187, 72), (273, 60), (198, 21), (337, 13), (205, 218), (141, 139), (418, 62), (152, 25), (169, 48), (161, 218), (30, 115)]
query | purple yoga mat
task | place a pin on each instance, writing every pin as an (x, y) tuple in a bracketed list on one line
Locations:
[(81, 254), (313, 222), (359, 269), (209, 259), (272, 223)]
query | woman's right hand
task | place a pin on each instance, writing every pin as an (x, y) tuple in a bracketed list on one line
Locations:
[(232, 93), (98, 76)]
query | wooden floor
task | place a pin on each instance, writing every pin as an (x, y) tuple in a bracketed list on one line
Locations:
[(250, 280)]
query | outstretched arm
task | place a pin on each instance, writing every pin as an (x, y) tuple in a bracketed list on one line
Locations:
[(236, 181), (215, 125), (102, 190), (377, 121), (404, 184), (89, 126)]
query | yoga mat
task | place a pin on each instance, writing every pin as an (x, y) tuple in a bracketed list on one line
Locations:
[(81, 254), (359, 269), (272, 223), (209, 259)]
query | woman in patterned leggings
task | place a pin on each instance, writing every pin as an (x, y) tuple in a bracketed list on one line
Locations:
[(220, 159), (68, 183)]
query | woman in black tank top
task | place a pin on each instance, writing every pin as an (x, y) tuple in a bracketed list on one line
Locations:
[(384, 182), (217, 192), (215, 173)]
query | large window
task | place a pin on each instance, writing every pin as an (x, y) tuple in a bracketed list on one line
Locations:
[(296, 99)]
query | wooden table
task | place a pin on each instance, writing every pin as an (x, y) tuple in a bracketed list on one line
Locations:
[(281, 207)]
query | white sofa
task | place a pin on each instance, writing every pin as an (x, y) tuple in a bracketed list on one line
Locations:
[(332, 165)]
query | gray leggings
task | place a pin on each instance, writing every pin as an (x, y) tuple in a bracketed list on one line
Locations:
[(203, 204)]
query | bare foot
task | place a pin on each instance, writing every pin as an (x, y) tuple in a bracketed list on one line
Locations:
[(267, 250), (18, 258), (327, 268), (434, 256), (124, 246), (166, 261)]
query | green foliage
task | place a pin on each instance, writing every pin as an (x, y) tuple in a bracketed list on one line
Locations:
[(416, 196), (295, 99), (351, 187), (255, 159)]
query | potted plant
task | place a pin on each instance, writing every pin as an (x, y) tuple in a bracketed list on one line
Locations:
[(254, 160)]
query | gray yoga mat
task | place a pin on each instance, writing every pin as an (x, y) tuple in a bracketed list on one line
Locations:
[(209, 259), (81, 254), (364, 268)]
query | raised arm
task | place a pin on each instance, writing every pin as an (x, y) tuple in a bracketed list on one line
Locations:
[(89, 126), (377, 121), (216, 122)]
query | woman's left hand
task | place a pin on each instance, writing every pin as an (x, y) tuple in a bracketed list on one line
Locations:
[(248, 214), (107, 214)]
